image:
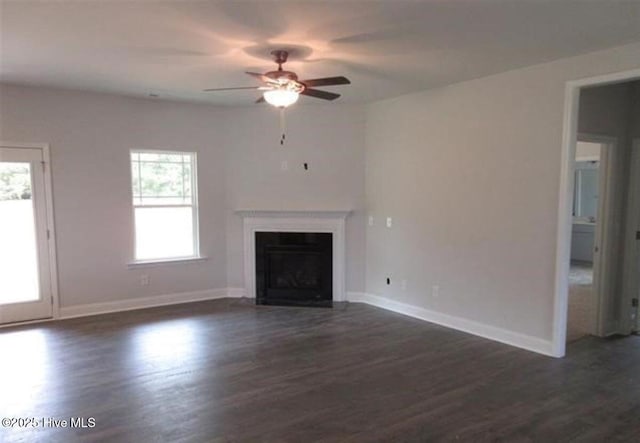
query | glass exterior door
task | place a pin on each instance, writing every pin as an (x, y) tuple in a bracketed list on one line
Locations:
[(25, 273)]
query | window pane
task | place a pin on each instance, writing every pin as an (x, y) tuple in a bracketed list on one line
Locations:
[(164, 233), (15, 181), (161, 157), (135, 179), (161, 179), (187, 180)]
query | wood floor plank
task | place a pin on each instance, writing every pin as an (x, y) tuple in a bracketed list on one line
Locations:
[(226, 370)]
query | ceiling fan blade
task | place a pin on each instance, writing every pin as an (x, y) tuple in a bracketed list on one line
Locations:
[(260, 100), (231, 89), (263, 78), (325, 95), (328, 81)]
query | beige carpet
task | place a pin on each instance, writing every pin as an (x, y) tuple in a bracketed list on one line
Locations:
[(580, 319)]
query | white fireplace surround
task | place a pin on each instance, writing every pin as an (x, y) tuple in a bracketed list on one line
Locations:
[(332, 222)]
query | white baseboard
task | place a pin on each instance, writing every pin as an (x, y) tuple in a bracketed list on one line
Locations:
[(516, 339), (472, 327), (149, 302), (236, 292)]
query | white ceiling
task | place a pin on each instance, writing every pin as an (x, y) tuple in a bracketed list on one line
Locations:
[(387, 48)]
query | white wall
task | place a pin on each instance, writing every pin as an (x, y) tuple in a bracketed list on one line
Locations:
[(587, 151), (90, 136), (605, 110), (330, 139), (470, 173)]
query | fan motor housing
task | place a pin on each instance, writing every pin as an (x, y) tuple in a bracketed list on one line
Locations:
[(276, 75)]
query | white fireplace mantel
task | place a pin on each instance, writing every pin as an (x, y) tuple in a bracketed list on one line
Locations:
[(332, 222), (281, 214)]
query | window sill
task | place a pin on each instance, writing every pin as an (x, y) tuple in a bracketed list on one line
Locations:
[(164, 261)]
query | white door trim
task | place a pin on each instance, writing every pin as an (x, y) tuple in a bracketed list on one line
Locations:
[(565, 199), (48, 196)]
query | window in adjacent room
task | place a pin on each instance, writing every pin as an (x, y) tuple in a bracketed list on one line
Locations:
[(165, 205)]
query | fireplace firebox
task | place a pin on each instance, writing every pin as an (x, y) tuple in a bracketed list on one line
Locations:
[(294, 268)]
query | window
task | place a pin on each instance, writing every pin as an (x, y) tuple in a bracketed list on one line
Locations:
[(165, 205)]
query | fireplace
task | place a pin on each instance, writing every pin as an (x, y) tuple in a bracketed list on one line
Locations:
[(312, 221), (294, 268)]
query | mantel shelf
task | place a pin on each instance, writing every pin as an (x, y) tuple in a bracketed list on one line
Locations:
[(284, 213)]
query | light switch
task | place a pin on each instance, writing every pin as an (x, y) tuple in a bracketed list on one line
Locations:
[(389, 222), (371, 220)]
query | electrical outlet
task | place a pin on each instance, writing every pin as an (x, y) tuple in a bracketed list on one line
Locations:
[(371, 220), (389, 222), (435, 291), (144, 280), (284, 165)]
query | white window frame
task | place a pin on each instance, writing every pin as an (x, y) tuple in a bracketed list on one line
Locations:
[(194, 206)]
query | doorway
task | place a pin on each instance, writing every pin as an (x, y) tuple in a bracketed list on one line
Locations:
[(27, 259), (587, 271), (614, 113)]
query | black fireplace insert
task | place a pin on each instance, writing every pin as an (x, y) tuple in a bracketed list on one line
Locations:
[(294, 268)]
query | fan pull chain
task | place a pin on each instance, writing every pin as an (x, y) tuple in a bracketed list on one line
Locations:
[(282, 127)]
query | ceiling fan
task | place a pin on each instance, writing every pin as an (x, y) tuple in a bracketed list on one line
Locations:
[(282, 88)]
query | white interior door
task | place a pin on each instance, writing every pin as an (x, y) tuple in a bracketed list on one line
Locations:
[(25, 265)]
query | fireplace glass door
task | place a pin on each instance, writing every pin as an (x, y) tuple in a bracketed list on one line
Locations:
[(294, 268)]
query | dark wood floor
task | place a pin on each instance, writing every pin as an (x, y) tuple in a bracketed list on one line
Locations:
[(229, 371)]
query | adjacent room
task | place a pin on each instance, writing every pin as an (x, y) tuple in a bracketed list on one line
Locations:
[(376, 220)]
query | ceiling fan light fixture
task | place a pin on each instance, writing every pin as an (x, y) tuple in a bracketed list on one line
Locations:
[(281, 98), (282, 88)]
